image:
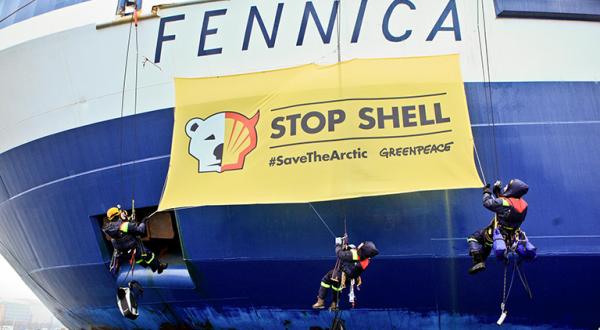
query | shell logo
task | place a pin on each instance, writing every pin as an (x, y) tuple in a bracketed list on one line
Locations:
[(222, 141)]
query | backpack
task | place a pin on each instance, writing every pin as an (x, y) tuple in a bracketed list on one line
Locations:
[(127, 299)]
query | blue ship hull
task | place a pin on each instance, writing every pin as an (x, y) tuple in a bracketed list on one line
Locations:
[(259, 266)]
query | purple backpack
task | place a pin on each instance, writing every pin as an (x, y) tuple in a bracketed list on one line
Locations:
[(499, 246), (525, 249)]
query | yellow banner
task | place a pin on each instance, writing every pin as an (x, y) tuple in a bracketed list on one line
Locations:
[(313, 133)]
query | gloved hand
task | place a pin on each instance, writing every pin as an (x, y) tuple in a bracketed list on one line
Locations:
[(486, 189), (497, 187), (339, 241)]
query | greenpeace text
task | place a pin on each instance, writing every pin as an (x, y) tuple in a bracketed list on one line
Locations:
[(415, 150)]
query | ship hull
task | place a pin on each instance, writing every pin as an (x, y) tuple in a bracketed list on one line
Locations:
[(272, 256)]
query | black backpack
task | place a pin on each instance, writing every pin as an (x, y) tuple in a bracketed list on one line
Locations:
[(127, 299)]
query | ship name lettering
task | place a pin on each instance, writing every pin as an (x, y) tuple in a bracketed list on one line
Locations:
[(323, 22)]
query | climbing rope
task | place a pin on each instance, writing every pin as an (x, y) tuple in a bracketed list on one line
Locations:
[(132, 264), (506, 294), (338, 28), (488, 87), (524, 281), (133, 217), (135, 98), (337, 323), (123, 104)]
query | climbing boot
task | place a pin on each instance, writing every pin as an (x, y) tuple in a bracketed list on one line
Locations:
[(333, 307), (320, 304), (478, 264), (478, 267), (162, 267)]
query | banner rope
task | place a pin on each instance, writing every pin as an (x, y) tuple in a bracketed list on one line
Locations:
[(479, 162), (321, 218)]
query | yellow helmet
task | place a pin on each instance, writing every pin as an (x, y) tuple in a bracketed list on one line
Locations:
[(112, 212)]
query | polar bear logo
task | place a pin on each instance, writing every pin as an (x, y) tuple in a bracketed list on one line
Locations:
[(222, 141)]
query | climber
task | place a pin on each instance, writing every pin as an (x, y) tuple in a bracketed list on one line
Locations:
[(351, 263), (510, 209), (125, 235)]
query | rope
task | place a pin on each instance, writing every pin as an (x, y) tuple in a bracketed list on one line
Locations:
[(323, 221), (339, 48), (479, 163), (506, 294), (336, 320), (137, 62), (339, 29), (504, 287), (123, 103), (132, 264), (488, 84), (524, 282), (132, 259), (16, 11), (135, 91), (516, 269)]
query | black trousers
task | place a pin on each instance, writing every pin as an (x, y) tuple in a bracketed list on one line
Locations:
[(146, 258), (143, 257), (327, 283), (481, 241)]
